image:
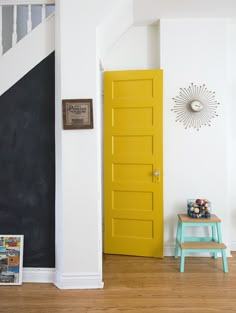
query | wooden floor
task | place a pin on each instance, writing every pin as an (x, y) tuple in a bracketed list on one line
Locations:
[(136, 285)]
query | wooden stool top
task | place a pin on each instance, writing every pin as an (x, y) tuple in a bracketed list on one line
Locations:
[(185, 218), (202, 245)]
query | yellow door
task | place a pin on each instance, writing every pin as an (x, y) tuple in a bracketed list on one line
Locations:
[(133, 176)]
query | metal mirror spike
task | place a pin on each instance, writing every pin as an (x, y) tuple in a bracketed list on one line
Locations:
[(195, 106)]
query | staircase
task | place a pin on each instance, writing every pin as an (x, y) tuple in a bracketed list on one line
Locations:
[(32, 37)]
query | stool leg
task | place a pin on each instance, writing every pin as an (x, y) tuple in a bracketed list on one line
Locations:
[(219, 232), (224, 259), (214, 238), (177, 240), (182, 260)]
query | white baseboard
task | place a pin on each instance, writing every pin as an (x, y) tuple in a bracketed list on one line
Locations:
[(169, 250), (65, 281), (38, 275), (78, 281), (88, 280), (233, 245)]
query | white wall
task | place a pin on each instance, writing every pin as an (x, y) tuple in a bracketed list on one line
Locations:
[(78, 162), (195, 50), (78, 178), (111, 28), (191, 50), (138, 48), (232, 132)]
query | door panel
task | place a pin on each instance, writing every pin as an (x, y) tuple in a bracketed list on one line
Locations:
[(132, 145), (141, 117), (132, 200), (133, 195)]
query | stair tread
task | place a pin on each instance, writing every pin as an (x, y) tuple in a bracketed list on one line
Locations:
[(202, 245)]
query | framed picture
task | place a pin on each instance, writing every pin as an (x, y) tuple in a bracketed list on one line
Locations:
[(11, 259), (77, 114)]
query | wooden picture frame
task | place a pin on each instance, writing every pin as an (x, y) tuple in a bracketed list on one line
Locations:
[(11, 259), (77, 113)]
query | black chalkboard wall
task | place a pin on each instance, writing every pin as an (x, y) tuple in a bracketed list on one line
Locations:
[(27, 160)]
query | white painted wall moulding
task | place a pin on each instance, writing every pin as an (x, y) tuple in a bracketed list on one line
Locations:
[(38, 275), (78, 280), (26, 2)]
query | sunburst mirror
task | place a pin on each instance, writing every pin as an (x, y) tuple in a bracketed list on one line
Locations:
[(195, 106)]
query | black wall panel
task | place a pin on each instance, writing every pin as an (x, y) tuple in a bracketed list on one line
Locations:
[(27, 163)]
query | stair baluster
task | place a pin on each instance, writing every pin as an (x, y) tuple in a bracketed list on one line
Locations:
[(16, 61), (14, 34), (43, 12), (29, 21), (18, 17), (1, 46)]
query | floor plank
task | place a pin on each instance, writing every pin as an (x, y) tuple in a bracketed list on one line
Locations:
[(136, 285)]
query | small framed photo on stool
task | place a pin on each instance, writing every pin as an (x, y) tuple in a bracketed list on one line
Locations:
[(11, 259)]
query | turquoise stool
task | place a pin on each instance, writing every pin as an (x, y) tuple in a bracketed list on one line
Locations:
[(211, 244)]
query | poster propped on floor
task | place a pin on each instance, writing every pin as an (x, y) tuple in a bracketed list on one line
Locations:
[(11, 259)]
